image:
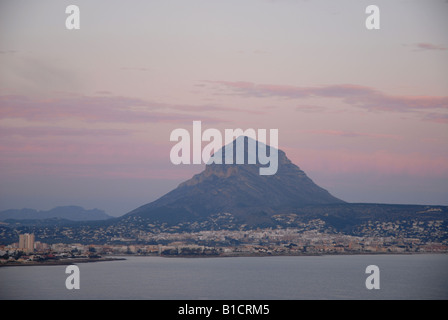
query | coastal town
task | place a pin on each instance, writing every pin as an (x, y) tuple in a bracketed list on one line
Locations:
[(218, 236), (222, 243)]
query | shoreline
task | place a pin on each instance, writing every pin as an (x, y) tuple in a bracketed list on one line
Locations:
[(61, 262), (122, 257), (261, 255), (293, 255)]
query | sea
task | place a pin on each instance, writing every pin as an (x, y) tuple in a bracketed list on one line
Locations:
[(334, 277)]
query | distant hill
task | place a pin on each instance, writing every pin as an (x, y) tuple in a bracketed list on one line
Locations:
[(238, 189), (72, 213)]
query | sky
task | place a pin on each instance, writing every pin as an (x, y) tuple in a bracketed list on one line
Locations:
[(86, 115)]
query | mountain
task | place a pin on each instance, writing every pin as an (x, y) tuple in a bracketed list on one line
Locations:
[(72, 213), (238, 189)]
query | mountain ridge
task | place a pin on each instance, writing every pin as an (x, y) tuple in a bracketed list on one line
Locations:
[(71, 213)]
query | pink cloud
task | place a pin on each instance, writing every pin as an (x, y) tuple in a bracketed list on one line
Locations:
[(351, 134), (109, 108), (101, 109), (359, 96), (33, 132), (103, 92), (310, 108), (250, 89), (436, 117), (429, 46), (376, 162)]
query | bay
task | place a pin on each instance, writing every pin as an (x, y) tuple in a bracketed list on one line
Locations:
[(419, 276)]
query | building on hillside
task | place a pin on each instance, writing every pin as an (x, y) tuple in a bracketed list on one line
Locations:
[(26, 242)]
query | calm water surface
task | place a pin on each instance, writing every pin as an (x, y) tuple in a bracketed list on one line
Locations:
[(323, 277)]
